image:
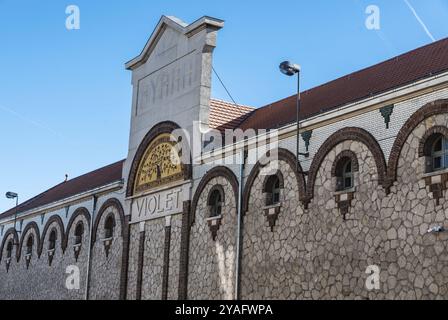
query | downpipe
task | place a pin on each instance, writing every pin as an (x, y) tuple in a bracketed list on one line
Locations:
[(243, 155)]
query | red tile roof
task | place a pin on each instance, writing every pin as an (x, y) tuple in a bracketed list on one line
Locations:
[(89, 181), (421, 63), (225, 115), (418, 64)]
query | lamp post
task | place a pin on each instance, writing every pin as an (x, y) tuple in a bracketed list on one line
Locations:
[(13, 195), (291, 69)]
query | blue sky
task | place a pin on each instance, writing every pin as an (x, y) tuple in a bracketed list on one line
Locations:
[(65, 96)]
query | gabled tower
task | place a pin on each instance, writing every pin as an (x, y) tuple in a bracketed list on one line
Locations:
[(171, 79)]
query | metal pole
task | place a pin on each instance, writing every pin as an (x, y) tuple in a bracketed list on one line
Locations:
[(298, 121), (89, 252), (15, 216), (238, 239)]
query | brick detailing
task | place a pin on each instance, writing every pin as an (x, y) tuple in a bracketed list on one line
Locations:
[(141, 257), (166, 262), (279, 174), (214, 224), (61, 234), (75, 215), (109, 203), (184, 251), (344, 203), (355, 134), (272, 216), (283, 155), (422, 152), (345, 154), (214, 173), (161, 128), (30, 226), (11, 232), (437, 189), (431, 109)]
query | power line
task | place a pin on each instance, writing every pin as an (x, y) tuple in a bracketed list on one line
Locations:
[(224, 86)]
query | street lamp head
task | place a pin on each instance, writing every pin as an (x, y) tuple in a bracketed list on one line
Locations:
[(11, 195), (289, 68)]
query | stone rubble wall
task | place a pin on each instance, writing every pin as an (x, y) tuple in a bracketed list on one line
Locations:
[(211, 271)]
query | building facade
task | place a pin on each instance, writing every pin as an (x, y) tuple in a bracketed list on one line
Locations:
[(187, 217)]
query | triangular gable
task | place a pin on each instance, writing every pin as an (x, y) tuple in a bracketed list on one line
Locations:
[(179, 26)]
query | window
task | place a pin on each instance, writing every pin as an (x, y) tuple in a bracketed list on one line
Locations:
[(9, 250), (215, 204), (439, 153), (344, 174), (52, 240), (272, 189), (79, 231), (109, 226), (29, 245)]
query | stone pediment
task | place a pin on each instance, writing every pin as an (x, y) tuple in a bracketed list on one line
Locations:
[(172, 24)]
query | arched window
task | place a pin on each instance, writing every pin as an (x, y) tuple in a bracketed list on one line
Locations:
[(52, 240), (215, 203), (9, 250), (109, 226), (344, 174), (79, 231), (436, 153), (29, 245), (272, 190)]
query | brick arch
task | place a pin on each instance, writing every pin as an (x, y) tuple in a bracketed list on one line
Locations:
[(157, 130), (15, 236), (114, 203), (78, 212), (345, 154), (283, 155), (355, 134), (428, 134), (214, 173), (125, 234), (220, 189), (30, 226), (54, 219), (279, 175), (429, 110)]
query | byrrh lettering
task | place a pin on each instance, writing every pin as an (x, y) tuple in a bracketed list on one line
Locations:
[(168, 82)]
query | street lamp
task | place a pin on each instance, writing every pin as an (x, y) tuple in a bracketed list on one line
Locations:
[(290, 69), (13, 195)]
